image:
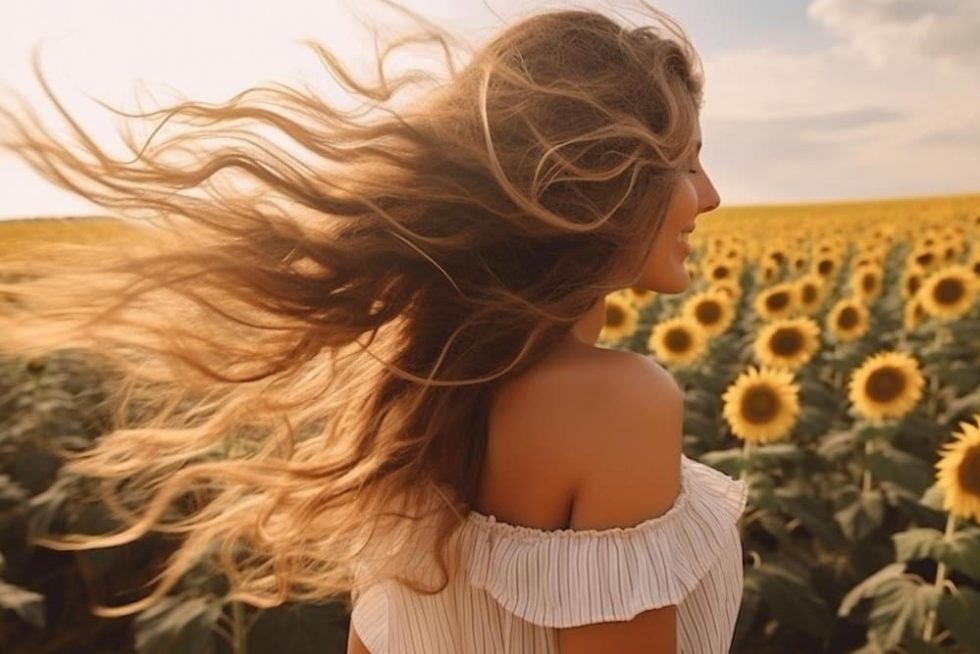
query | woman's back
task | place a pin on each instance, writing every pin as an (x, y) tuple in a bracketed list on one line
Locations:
[(582, 535)]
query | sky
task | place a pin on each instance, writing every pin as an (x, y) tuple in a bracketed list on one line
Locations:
[(804, 100)]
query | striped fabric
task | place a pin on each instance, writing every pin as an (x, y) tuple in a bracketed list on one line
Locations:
[(521, 583)]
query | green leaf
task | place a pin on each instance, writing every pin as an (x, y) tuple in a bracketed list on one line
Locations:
[(788, 451), (728, 461), (299, 629), (918, 543), (177, 624), (933, 497), (867, 587), (26, 603), (792, 600), (811, 513), (863, 515), (886, 462), (961, 405), (958, 612), (913, 644), (901, 604), (837, 444), (815, 393), (962, 551), (961, 375), (867, 431)]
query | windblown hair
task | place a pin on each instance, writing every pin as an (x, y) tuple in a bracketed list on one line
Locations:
[(305, 365)]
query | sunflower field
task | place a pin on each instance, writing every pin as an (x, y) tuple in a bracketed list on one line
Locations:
[(831, 359)]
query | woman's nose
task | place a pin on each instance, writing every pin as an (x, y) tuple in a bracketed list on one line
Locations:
[(709, 199)]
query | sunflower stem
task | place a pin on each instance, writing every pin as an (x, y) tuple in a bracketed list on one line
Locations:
[(866, 477), (238, 629), (940, 579), (746, 447)]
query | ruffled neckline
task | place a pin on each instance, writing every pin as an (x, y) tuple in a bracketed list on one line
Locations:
[(570, 577), (489, 522)]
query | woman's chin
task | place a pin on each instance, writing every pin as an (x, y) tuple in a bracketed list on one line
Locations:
[(678, 283)]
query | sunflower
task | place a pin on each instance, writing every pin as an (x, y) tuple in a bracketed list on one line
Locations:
[(715, 269), (866, 282), (949, 292), (777, 301), (924, 256), (848, 320), (958, 471), (912, 278), (886, 385), (810, 292), (762, 404), (678, 341), (728, 286), (826, 266), (621, 319), (913, 314), (711, 309), (974, 265), (869, 258), (787, 343), (768, 272), (639, 297)]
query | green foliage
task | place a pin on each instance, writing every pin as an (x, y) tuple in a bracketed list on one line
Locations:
[(57, 403)]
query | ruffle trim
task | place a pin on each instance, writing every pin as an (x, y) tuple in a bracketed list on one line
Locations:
[(569, 577), (370, 619)]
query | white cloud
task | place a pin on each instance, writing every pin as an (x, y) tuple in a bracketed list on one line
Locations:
[(886, 30), (839, 123)]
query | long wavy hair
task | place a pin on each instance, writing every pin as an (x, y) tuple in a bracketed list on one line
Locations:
[(304, 361)]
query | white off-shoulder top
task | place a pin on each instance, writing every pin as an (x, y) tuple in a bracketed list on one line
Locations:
[(520, 583)]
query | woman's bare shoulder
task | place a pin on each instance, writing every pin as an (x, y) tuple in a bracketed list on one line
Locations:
[(577, 377), (587, 369), (547, 423)]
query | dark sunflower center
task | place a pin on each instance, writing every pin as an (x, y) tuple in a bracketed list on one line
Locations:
[(913, 284), (777, 300), (825, 267), (925, 258), (976, 268), (848, 318), (949, 291), (677, 340), (809, 294), (708, 312), (615, 316), (720, 272), (786, 341), (885, 384), (869, 282), (640, 292), (760, 405), (778, 257), (968, 474)]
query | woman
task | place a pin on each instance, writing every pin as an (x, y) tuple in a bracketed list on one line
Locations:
[(373, 373)]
